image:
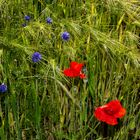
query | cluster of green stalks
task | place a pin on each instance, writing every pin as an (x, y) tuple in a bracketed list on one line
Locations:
[(41, 103)]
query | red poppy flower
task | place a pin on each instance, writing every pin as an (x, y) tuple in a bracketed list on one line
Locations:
[(110, 112), (75, 70)]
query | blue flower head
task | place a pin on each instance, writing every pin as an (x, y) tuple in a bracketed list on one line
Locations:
[(27, 18), (49, 20), (65, 36), (3, 88), (36, 57)]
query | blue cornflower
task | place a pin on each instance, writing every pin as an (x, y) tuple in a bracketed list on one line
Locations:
[(49, 20), (3, 88), (27, 18), (36, 57), (65, 36)]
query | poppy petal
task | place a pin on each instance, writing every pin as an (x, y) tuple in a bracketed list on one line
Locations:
[(102, 116), (82, 75), (110, 112), (76, 66), (70, 73), (117, 108), (121, 113)]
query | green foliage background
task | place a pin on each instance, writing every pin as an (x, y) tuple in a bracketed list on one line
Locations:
[(41, 103)]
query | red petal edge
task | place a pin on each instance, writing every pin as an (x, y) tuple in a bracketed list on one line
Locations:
[(102, 116), (76, 66), (70, 73)]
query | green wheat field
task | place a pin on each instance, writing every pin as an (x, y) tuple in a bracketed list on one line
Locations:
[(40, 102)]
